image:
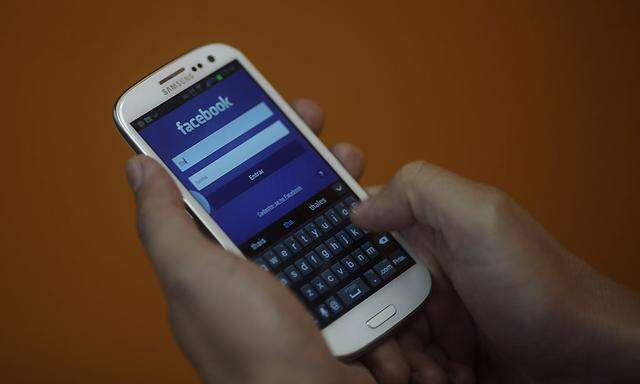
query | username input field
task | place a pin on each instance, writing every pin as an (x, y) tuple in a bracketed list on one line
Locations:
[(222, 136), (239, 155)]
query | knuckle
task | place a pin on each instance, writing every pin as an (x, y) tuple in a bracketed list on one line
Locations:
[(410, 173), (144, 220), (150, 213), (495, 207), (410, 170), (146, 231), (178, 285), (418, 176), (418, 171), (185, 281)]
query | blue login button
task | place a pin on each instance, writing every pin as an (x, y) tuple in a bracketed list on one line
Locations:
[(255, 174)]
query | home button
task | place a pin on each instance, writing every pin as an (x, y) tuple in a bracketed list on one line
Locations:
[(382, 316)]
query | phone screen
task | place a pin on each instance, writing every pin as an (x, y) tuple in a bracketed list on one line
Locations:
[(271, 192)]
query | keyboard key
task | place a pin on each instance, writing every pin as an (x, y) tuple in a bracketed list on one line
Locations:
[(303, 266), (353, 292), (323, 223), (303, 237), (372, 278), (399, 259), (330, 278), (342, 210), (316, 272), (314, 259), (293, 274), (283, 279), (282, 251), (369, 250), (293, 245), (334, 256), (354, 231), (350, 264), (309, 293), (344, 239), (323, 252), (333, 245), (261, 263), (271, 258), (359, 256), (385, 269), (351, 202), (320, 285), (340, 271), (334, 304), (333, 216), (339, 188), (312, 230), (323, 312), (383, 239)]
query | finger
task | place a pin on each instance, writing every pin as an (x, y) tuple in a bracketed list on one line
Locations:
[(387, 363), (350, 157), (310, 112), (460, 373), (424, 193), (455, 330), (416, 332), (165, 228), (373, 189), (436, 352), (425, 370), (409, 339)]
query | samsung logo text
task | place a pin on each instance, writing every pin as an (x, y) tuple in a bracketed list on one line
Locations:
[(177, 84)]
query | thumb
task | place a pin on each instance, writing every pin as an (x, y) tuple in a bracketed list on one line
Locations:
[(166, 230), (426, 194)]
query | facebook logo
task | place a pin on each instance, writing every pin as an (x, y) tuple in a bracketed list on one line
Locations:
[(204, 115)]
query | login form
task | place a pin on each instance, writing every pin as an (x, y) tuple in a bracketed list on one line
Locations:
[(236, 152)]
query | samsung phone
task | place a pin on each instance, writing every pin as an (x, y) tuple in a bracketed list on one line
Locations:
[(261, 182)]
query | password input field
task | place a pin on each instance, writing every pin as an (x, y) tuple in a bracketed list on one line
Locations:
[(222, 136), (238, 155)]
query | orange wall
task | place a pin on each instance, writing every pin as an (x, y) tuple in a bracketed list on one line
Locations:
[(538, 98)]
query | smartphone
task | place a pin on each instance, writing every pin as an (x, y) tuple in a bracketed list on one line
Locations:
[(265, 187)]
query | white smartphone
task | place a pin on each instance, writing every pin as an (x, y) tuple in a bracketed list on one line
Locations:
[(257, 178)]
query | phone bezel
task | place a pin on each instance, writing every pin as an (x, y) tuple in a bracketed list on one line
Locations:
[(348, 335)]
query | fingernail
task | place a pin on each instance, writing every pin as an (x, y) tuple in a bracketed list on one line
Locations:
[(134, 173)]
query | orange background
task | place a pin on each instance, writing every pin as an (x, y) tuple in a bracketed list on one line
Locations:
[(538, 98)]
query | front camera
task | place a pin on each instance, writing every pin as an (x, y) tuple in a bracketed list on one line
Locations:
[(211, 58)]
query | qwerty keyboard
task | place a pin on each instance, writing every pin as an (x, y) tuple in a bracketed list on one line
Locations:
[(331, 264)]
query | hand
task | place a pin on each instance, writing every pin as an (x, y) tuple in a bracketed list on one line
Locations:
[(508, 303), (235, 323)]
